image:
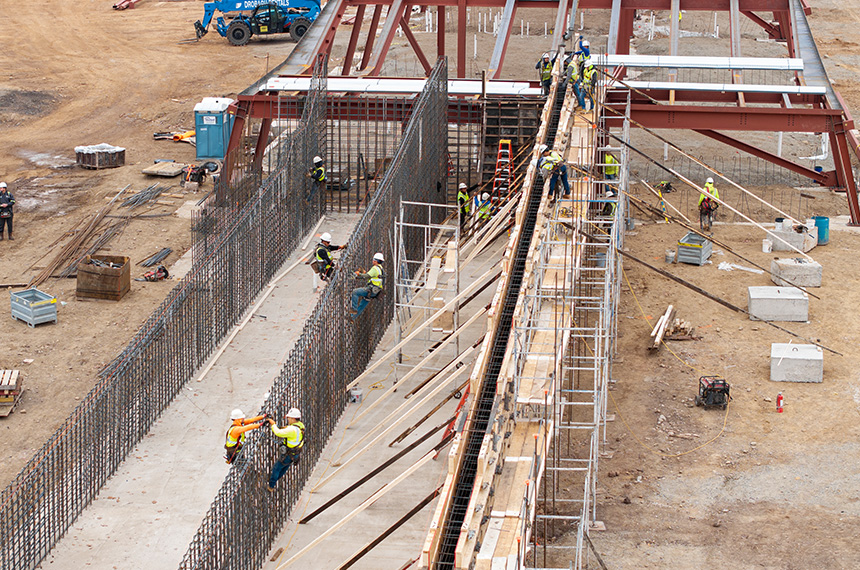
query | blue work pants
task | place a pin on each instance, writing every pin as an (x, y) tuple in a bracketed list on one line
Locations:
[(360, 300), (280, 467), (560, 171)]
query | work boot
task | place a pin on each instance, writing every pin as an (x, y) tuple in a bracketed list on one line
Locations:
[(11, 238)]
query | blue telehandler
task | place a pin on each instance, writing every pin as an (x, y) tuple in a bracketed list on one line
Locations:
[(274, 17)]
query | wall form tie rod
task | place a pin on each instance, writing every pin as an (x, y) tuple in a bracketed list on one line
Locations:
[(691, 228), (711, 296)]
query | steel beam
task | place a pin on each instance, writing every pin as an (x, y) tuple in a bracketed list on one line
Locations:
[(614, 24), (498, 58), (844, 173), (662, 95), (558, 30), (410, 37), (440, 31), (656, 5), (823, 178), (386, 36), (461, 37), (763, 119), (772, 31), (353, 40), (371, 35), (241, 111)]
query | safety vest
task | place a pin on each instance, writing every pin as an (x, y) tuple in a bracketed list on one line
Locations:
[(376, 275), (573, 69), (551, 162), (545, 70), (463, 201), (295, 438), (709, 187), (611, 170), (484, 209), (588, 75), (319, 174), (325, 260), (232, 441)]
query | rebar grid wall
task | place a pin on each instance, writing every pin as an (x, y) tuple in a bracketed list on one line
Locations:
[(245, 518), (241, 252)]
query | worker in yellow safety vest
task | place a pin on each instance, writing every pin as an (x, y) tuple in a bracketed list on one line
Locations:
[(574, 80), (375, 284), (484, 207), (464, 201), (544, 66), (292, 438), (236, 432), (707, 204), (588, 73), (552, 164)]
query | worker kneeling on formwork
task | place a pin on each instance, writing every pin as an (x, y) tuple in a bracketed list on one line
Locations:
[(292, 438), (375, 285)]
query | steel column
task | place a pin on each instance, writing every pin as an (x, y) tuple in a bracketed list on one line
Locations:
[(844, 173), (614, 23), (262, 141), (625, 31), (461, 38), (353, 40), (371, 35), (786, 31), (380, 48), (823, 178), (441, 14), (239, 117)]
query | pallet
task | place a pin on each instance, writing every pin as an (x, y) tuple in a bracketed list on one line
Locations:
[(10, 391), (167, 169)]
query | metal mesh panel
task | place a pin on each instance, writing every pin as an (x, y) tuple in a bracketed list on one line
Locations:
[(236, 255), (245, 518)]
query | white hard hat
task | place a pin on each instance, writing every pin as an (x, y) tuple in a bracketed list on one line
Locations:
[(2, 185), (546, 55), (294, 413), (325, 237), (585, 43), (317, 160), (543, 148), (236, 414), (462, 186), (587, 62), (378, 257), (709, 180), (485, 196)]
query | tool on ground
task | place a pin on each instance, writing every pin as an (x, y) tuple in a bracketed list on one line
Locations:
[(779, 402), (193, 173), (714, 392), (281, 17), (156, 258), (158, 274)]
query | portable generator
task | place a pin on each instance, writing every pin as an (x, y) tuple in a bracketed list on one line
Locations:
[(714, 391)]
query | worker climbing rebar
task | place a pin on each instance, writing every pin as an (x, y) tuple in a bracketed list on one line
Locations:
[(375, 283), (292, 438), (236, 432), (317, 174), (324, 263), (707, 205)]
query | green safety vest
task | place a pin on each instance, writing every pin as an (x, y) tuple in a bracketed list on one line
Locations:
[(320, 258), (545, 70), (463, 200), (376, 275), (573, 69), (552, 161), (610, 160), (588, 75), (484, 210), (319, 174), (295, 438), (709, 188)]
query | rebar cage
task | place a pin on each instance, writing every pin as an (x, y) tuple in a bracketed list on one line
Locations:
[(333, 349)]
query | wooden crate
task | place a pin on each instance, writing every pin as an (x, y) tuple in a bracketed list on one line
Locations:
[(110, 283), (10, 391)]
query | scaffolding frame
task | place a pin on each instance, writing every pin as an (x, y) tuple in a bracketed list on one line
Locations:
[(425, 284)]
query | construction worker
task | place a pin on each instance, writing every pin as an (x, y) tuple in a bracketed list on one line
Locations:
[(236, 432), (610, 172), (292, 438), (7, 200), (583, 53), (324, 262), (317, 174), (574, 80), (375, 284), (552, 163), (545, 67), (588, 73), (484, 207), (464, 200), (707, 205)]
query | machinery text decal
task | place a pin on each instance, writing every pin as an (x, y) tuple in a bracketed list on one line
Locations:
[(250, 4)]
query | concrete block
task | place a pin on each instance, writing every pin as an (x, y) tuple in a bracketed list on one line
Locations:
[(804, 241), (797, 271), (796, 363), (778, 304)]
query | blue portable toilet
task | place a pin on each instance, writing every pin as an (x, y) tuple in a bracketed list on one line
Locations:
[(213, 125)]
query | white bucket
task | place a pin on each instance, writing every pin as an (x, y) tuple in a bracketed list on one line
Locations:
[(766, 246)]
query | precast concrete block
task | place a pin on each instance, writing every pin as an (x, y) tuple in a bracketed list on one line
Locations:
[(778, 304), (796, 271), (796, 363), (783, 240)]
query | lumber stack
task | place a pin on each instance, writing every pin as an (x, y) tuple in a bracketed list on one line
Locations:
[(660, 328), (10, 391)]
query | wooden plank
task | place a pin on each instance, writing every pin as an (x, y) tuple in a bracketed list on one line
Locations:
[(167, 169), (13, 381), (451, 257), (5, 376), (433, 274)]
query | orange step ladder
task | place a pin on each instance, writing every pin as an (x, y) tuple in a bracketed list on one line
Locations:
[(503, 176)]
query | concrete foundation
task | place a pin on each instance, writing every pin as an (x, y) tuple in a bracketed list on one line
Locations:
[(796, 271), (783, 239), (796, 363), (778, 304)]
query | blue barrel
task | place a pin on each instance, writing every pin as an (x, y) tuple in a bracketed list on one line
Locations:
[(823, 225)]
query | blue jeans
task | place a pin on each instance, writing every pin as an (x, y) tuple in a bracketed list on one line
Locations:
[(562, 170), (280, 467), (360, 300), (577, 91)]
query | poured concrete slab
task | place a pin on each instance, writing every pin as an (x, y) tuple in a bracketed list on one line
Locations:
[(796, 363), (778, 304), (796, 271)]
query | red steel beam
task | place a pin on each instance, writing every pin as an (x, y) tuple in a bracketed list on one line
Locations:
[(713, 97), (371, 36), (823, 178), (689, 5), (461, 38), (410, 37), (842, 161), (379, 58), (440, 31), (772, 31), (764, 119), (262, 141), (625, 31), (353, 40)]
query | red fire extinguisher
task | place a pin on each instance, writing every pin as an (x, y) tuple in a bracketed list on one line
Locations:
[(779, 401)]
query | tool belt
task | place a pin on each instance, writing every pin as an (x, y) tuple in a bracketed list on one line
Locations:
[(6, 213), (373, 291), (291, 451)]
